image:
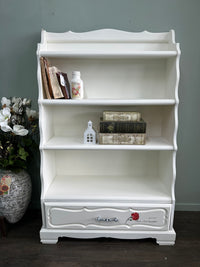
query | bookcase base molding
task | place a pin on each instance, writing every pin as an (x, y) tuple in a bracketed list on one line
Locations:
[(115, 191), (48, 236)]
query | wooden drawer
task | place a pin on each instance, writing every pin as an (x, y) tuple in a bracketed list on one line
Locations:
[(94, 217)]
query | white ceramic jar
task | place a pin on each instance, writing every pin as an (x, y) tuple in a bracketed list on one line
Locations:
[(76, 85)]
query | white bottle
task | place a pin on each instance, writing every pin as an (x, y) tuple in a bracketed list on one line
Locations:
[(76, 85)]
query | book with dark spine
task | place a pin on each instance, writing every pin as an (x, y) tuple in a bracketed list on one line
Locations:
[(122, 127), (64, 84)]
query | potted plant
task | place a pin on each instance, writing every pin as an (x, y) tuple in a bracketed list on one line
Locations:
[(18, 140)]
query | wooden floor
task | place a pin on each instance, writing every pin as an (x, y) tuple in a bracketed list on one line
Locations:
[(22, 248)]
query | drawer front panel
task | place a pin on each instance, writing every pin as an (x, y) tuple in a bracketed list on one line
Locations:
[(107, 218)]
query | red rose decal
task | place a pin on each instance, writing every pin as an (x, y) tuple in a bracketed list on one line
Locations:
[(135, 216)]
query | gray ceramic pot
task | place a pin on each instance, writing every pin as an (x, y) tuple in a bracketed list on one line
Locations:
[(15, 194)]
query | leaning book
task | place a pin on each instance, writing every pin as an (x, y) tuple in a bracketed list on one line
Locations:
[(122, 139)]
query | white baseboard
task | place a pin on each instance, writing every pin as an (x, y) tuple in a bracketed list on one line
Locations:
[(187, 207)]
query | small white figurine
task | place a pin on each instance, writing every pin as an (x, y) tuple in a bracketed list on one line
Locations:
[(89, 135)]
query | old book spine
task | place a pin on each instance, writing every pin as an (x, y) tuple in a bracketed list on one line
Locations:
[(121, 139), (122, 127), (64, 84), (121, 116), (47, 66), (57, 92), (45, 86)]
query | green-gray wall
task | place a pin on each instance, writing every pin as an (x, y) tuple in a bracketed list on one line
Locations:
[(20, 25)]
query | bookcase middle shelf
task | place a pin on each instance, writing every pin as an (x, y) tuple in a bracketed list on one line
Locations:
[(63, 126), (76, 143)]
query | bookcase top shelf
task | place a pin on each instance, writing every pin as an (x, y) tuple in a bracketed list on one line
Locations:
[(108, 35), (107, 54), (108, 43), (106, 102)]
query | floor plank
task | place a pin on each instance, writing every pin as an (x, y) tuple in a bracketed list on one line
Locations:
[(22, 247)]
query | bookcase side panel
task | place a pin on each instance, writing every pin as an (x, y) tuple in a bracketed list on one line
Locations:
[(168, 124), (166, 171), (173, 188), (39, 76), (171, 77), (48, 170), (46, 123)]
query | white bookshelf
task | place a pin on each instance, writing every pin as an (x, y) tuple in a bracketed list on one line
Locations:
[(92, 190)]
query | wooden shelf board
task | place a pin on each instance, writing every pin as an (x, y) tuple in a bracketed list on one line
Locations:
[(105, 102), (109, 54), (152, 143)]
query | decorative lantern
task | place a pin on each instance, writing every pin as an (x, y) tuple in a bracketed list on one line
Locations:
[(89, 135)]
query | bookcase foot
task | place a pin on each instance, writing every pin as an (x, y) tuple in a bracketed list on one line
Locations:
[(48, 237), (165, 243), (167, 239), (49, 241)]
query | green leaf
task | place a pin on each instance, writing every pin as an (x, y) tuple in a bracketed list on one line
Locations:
[(22, 153)]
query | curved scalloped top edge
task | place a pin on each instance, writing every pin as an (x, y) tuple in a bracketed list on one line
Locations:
[(106, 35)]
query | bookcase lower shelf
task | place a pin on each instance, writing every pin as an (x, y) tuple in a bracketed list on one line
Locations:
[(108, 188), (90, 206)]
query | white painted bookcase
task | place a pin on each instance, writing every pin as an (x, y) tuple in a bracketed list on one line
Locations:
[(91, 191)]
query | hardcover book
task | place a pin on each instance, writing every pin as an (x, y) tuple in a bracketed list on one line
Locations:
[(47, 66), (45, 85), (57, 92), (122, 127), (64, 84), (121, 139), (121, 116)]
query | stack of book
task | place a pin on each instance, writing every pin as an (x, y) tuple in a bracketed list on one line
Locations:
[(122, 128), (55, 82)]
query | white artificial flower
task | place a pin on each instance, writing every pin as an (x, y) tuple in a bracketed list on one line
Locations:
[(5, 101), (31, 113), (16, 107), (5, 127), (26, 102), (15, 99), (17, 104), (19, 130), (5, 114)]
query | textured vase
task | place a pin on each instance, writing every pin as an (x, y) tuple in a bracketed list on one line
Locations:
[(14, 203)]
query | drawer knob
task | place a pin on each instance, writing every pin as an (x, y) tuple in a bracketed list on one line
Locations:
[(135, 216), (99, 219)]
